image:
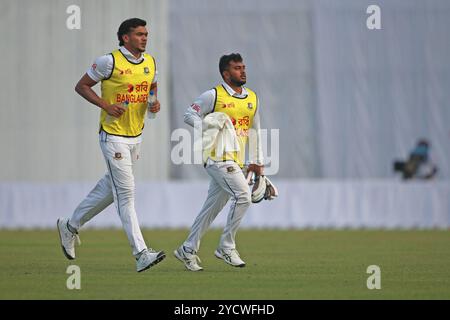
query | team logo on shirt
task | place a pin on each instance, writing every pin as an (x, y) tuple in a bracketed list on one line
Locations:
[(94, 66), (146, 70), (118, 156), (230, 169), (250, 105)]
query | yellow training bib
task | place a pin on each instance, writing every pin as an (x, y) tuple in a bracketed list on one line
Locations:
[(128, 82), (241, 112)]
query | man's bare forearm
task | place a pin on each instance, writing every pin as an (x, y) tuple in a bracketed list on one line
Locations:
[(86, 92)]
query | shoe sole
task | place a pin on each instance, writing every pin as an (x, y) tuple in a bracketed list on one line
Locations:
[(219, 256), (60, 240), (175, 253), (160, 257)]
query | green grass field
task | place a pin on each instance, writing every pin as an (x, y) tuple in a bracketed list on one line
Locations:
[(292, 264)]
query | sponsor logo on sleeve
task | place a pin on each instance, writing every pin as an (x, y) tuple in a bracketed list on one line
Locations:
[(196, 107)]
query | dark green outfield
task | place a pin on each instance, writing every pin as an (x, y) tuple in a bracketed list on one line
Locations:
[(280, 265)]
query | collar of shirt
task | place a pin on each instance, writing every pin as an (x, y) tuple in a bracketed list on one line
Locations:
[(233, 93), (130, 56)]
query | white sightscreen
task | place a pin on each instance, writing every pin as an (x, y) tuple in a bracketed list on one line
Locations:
[(347, 101)]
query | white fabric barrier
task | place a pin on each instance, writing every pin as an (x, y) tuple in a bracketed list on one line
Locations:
[(301, 204)]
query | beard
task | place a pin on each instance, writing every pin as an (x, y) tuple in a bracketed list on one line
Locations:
[(238, 82)]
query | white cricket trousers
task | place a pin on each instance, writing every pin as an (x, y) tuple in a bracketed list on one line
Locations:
[(116, 186), (227, 181)]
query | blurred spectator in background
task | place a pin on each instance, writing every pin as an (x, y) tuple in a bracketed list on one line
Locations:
[(418, 166)]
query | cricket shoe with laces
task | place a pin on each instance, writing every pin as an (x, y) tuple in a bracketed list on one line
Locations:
[(67, 238), (230, 256), (149, 258), (190, 259)]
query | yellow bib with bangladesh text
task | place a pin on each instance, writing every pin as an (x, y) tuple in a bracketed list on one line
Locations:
[(129, 82), (241, 112)]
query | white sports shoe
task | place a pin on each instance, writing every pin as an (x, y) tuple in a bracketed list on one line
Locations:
[(230, 256), (148, 259), (67, 238), (190, 260)]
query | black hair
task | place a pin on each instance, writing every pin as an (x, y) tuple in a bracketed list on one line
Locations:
[(225, 61), (127, 25)]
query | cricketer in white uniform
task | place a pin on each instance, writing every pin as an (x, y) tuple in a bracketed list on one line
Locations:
[(127, 75), (227, 179)]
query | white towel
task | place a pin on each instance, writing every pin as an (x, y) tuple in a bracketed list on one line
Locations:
[(217, 133)]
